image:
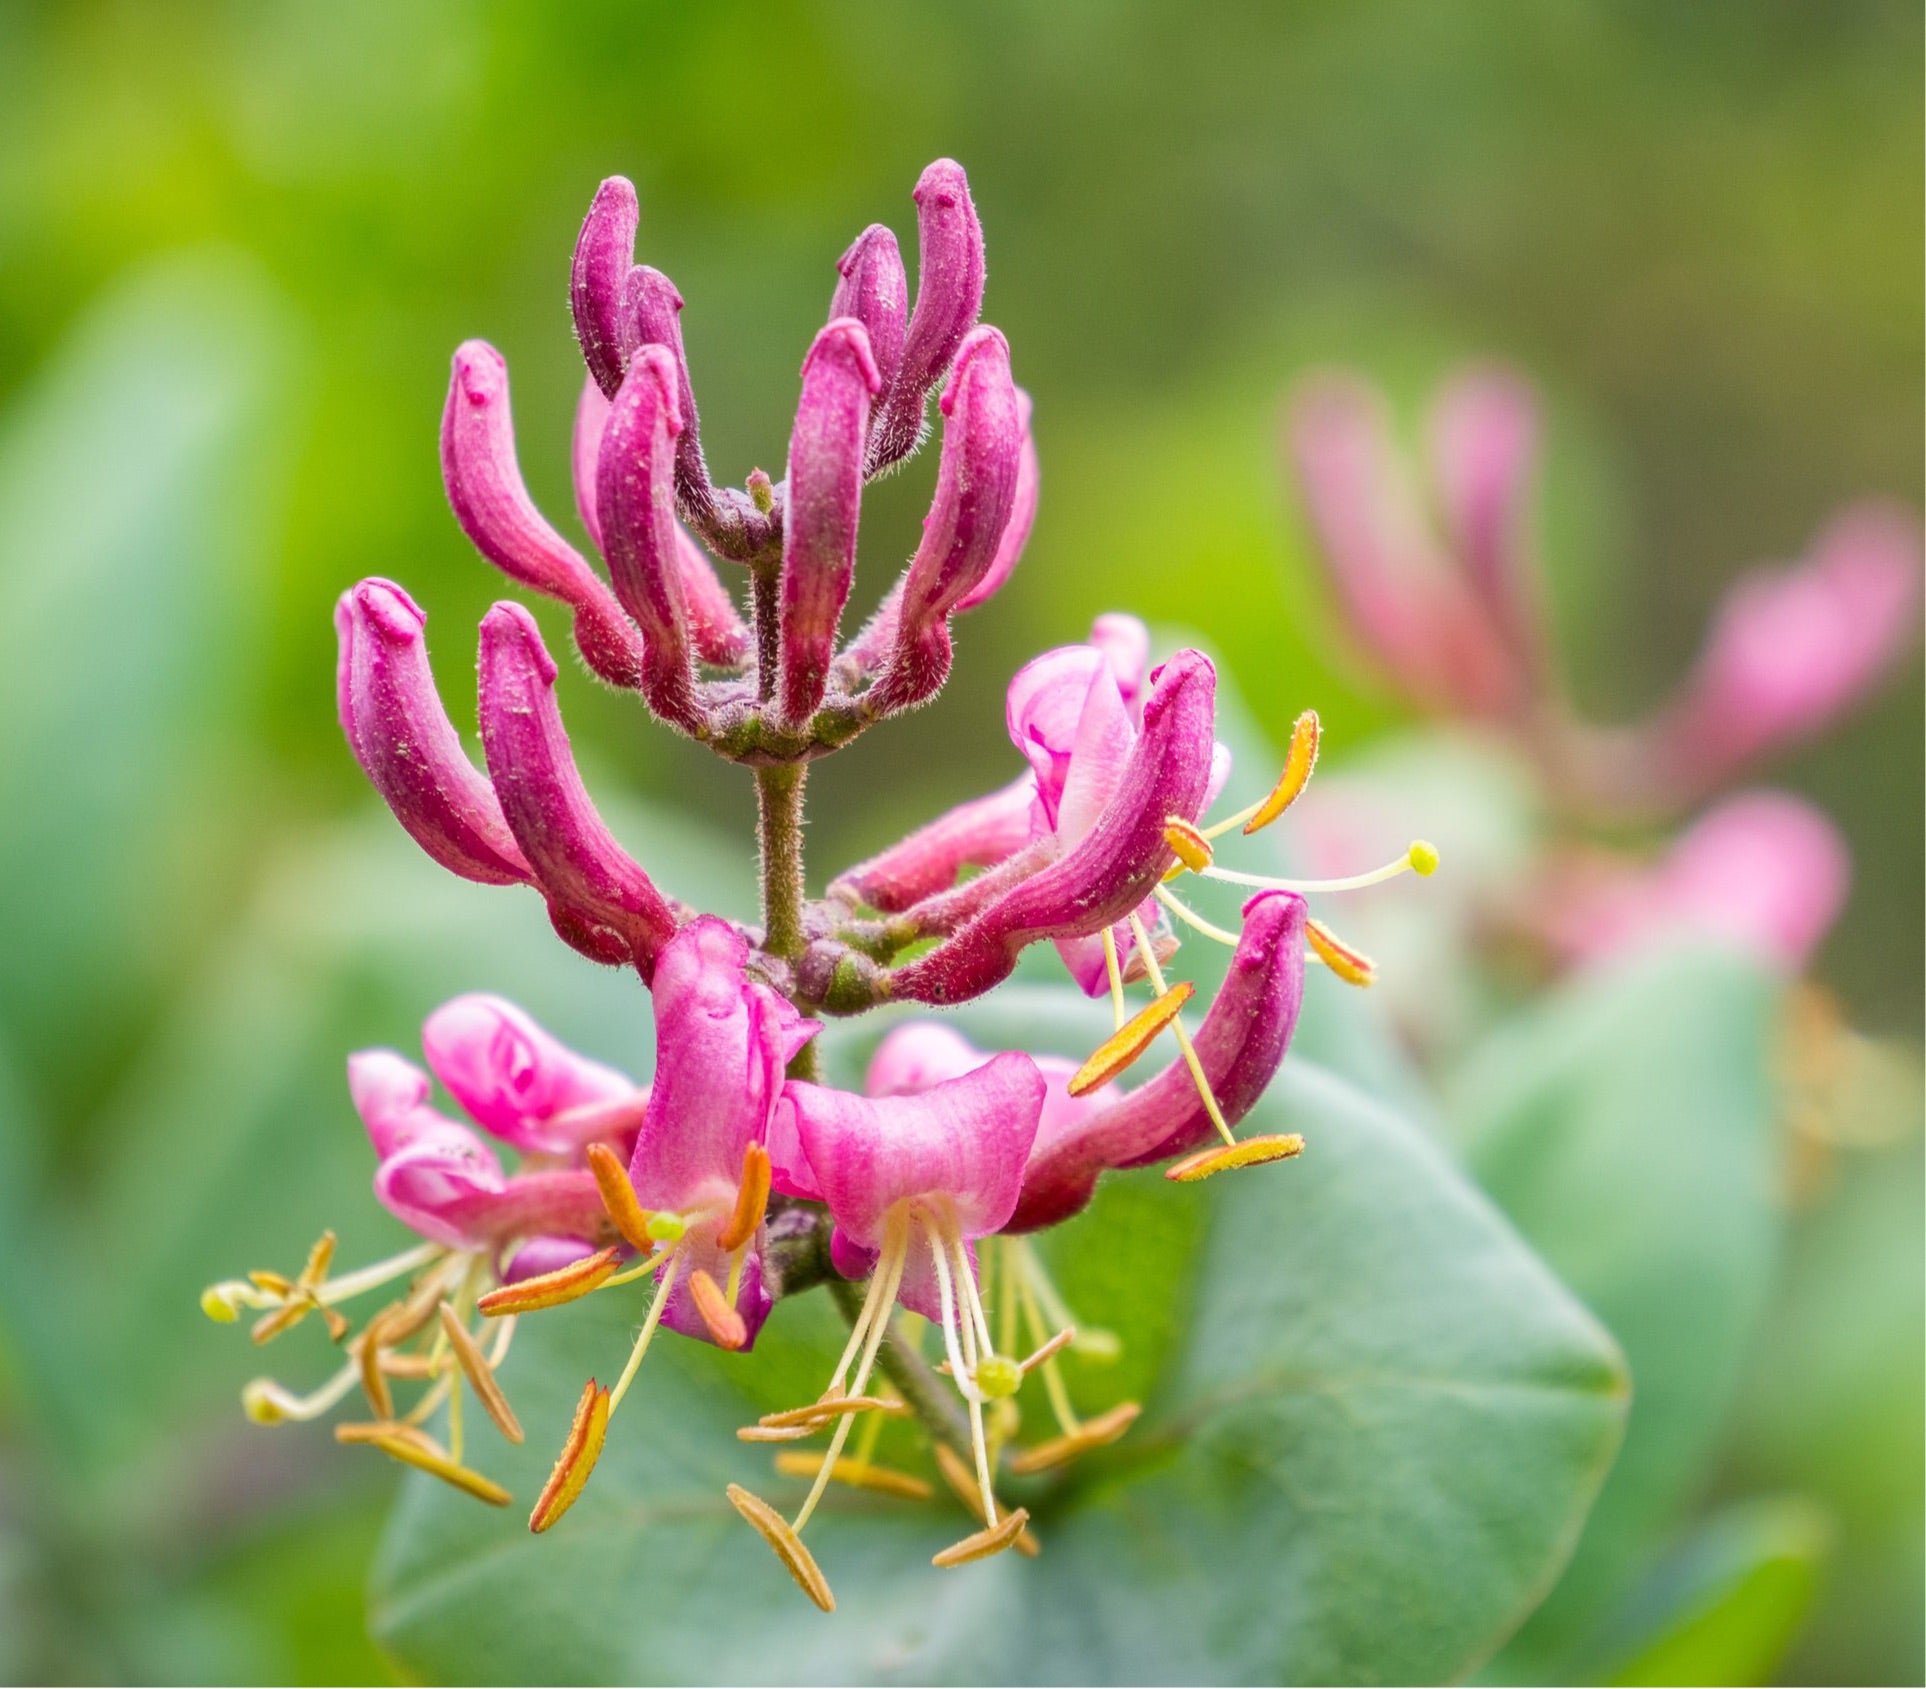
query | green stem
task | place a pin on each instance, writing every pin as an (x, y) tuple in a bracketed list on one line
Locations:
[(779, 826)]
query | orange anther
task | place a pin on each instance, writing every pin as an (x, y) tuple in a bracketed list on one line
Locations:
[(984, 1543), (1192, 848), (1351, 966), (752, 1199), (374, 1382), (414, 1447), (774, 1530), (1299, 760), (957, 1474), (858, 1474), (551, 1290), (577, 1459), (812, 1414), (724, 1323), (1092, 1434), (1130, 1040), (475, 1368), (630, 1218), (1246, 1152)]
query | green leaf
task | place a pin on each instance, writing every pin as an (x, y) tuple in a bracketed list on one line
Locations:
[(1375, 1429), (1625, 1127), (1736, 1596)]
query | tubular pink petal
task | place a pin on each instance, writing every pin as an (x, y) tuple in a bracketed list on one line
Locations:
[(977, 834), (964, 1141), (403, 739), (1241, 1044), (1023, 515), (949, 294), (975, 489), (576, 860), (492, 505), (585, 456), (917, 1055), (1111, 870), (656, 309), (635, 501), (599, 279), (825, 496), (872, 288)]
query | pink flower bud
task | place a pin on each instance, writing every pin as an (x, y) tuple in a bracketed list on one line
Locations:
[(636, 504), (655, 309), (872, 288), (1791, 650), (1240, 1045), (1023, 515), (1110, 869), (977, 834), (825, 499), (492, 505), (576, 860), (406, 744), (599, 280), (976, 483), (949, 294)]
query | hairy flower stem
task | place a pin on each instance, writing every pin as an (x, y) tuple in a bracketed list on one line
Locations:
[(779, 828), (929, 1397)]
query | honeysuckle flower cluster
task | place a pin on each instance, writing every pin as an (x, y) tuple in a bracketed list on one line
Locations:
[(736, 1178), (1436, 571)]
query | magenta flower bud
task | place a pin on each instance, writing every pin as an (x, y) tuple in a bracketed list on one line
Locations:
[(1484, 455), (634, 497), (576, 860), (407, 746), (1240, 1045), (872, 288), (1791, 650), (599, 281), (492, 505), (1023, 515), (585, 456), (518, 1081), (976, 483), (1110, 868), (655, 309), (978, 834), (949, 295), (825, 479)]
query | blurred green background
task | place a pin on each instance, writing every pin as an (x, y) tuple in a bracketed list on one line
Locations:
[(237, 246)]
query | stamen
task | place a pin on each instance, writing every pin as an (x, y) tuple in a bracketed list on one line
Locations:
[(475, 1368), (377, 1273), (641, 1269), (993, 1539), (752, 1200), (775, 1531), (858, 1474), (1246, 1152), (1191, 1059), (374, 1382), (963, 1367), (1419, 858), (1094, 1433), (1116, 975), (778, 1433), (1037, 1357), (415, 1448), (586, 1434), (268, 1403), (1190, 917), (960, 1479), (814, 1415), (1299, 761), (1351, 966), (628, 1215), (654, 1319), (1130, 1040), (725, 1325), (302, 1296), (1192, 847), (551, 1290)]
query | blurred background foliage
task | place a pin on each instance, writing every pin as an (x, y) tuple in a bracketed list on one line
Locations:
[(237, 245)]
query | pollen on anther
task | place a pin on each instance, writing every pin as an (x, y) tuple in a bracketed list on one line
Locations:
[(724, 1323), (1351, 966), (1095, 1433), (573, 1465), (551, 1290), (982, 1544), (1246, 1152), (962, 1481), (1299, 761), (629, 1217), (752, 1199), (1130, 1040), (774, 1529), (858, 1474), (1192, 848)]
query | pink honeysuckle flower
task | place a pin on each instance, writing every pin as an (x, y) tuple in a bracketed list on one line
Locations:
[(981, 833), (1023, 515), (1765, 871), (871, 287), (491, 503), (599, 282), (1791, 650)]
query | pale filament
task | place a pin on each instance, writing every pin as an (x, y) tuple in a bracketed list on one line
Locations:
[(1273, 882), (1190, 917), (1191, 1059), (647, 1332)]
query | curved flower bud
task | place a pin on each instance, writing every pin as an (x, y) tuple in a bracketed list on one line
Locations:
[(1791, 650), (949, 294), (492, 505), (825, 480), (634, 498), (576, 860), (599, 278), (517, 1080), (1111, 868), (1023, 515), (403, 739), (977, 834), (1240, 1046), (872, 288), (975, 487), (655, 309)]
